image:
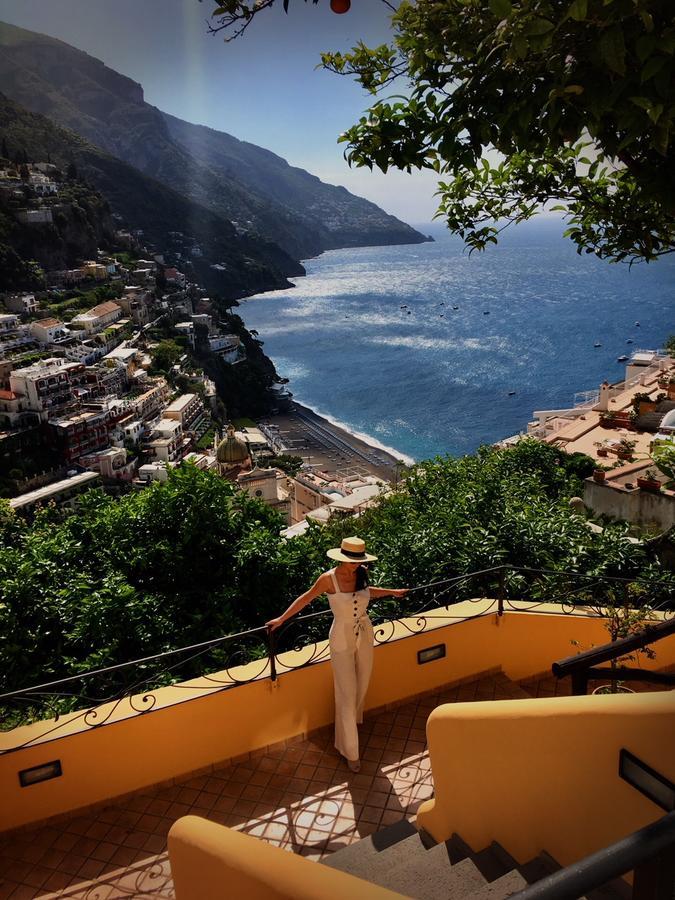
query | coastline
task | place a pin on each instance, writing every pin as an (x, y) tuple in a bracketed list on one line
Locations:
[(331, 446)]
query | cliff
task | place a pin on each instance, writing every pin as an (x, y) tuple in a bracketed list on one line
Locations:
[(246, 184), (246, 264)]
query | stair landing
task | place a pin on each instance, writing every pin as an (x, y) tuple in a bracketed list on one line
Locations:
[(300, 797)]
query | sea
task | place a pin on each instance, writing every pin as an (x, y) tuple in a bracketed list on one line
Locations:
[(428, 350)]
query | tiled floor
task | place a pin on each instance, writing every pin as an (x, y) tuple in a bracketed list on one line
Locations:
[(302, 798)]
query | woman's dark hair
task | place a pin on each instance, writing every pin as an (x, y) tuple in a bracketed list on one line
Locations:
[(361, 578)]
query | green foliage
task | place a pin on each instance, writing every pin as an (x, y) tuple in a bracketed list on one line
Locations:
[(664, 456), (193, 559), (121, 579), (289, 464), (205, 442), (670, 345), (165, 355), (575, 97), (79, 300)]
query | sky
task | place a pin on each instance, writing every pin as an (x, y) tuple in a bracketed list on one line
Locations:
[(264, 87)]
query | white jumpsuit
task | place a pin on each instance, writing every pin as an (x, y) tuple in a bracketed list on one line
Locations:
[(351, 654)]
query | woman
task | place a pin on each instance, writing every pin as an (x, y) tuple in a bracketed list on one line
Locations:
[(350, 638)]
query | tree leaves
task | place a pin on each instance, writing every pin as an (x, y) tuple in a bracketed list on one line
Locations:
[(613, 49), (501, 8), (530, 88)]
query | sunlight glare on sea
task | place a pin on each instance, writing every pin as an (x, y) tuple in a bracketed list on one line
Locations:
[(370, 339)]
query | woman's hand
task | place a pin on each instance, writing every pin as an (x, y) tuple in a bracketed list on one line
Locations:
[(274, 623)]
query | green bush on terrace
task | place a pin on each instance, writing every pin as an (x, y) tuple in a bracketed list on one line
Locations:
[(193, 559)]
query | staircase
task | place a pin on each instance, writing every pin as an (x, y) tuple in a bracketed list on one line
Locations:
[(403, 860), (651, 421)]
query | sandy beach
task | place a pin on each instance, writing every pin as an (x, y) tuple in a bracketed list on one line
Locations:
[(331, 448)]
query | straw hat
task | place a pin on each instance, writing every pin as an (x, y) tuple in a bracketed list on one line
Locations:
[(352, 549)]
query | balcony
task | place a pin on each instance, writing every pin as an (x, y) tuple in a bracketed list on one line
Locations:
[(249, 746)]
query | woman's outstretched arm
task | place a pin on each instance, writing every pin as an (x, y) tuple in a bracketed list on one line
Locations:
[(376, 592), (320, 586)]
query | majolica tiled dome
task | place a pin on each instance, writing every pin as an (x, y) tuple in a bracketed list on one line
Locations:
[(232, 451)]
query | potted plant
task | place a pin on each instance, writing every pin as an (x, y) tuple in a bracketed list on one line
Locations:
[(642, 404), (599, 475), (622, 616), (608, 419), (649, 482), (663, 455), (625, 449), (603, 452)]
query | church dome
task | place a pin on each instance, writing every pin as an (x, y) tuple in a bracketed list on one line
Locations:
[(232, 451)]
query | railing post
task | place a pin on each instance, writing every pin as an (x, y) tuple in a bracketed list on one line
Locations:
[(271, 652), (579, 683), (501, 591), (655, 878)]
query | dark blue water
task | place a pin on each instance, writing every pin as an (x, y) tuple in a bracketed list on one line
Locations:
[(429, 379)]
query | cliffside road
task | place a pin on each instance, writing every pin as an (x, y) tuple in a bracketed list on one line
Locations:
[(330, 447)]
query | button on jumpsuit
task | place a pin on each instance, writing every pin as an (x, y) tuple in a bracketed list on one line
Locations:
[(351, 655)]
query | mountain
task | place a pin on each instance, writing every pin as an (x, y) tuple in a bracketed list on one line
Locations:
[(246, 184), (247, 264)]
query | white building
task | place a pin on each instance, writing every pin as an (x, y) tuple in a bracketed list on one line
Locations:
[(44, 387), (98, 318), (185, 409), (155, 471), (148, 404), (24, 304), (226, 346), (47, 331), (9, 325), (187, 329), (63, 493), (268, 485), (42, 184)]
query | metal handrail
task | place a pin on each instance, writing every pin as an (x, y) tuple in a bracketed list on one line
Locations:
[(613, 649), (626, 855), (262, 631), (82, 694)]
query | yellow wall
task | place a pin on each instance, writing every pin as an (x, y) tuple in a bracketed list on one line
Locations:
[(543, 774), (190, 729), (209, 862)]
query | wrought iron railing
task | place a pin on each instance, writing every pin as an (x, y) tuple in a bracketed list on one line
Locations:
[(96, 697)]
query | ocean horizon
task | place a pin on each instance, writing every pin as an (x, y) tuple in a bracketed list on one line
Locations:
[(425, 350)]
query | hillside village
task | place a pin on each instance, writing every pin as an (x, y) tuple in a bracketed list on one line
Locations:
[(103, 381)]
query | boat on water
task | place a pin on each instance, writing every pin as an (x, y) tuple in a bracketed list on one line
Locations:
[(622, 358), (597, 344), (629, 341), (637, 324), (455, 307), (511, 393), (486, 312)]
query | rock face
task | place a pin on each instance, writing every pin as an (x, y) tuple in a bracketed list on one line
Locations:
[(246, 184)]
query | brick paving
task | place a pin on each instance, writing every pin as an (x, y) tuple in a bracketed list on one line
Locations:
[(300, 797)]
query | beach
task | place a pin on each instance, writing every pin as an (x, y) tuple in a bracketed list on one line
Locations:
[(329, 447)]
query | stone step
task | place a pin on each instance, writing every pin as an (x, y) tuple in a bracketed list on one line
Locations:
[(433, 878), (358, 858), (508, 884)]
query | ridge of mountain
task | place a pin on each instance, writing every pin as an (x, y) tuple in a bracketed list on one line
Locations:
[(247, 264), (249, 185)]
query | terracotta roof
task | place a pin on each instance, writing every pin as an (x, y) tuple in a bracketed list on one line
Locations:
[(7, 395), (48, 323), (104, 308)]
